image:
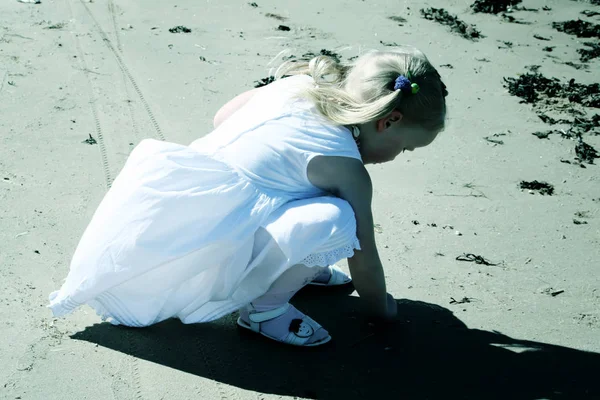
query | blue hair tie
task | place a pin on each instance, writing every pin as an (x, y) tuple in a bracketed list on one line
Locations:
[(404, 84)]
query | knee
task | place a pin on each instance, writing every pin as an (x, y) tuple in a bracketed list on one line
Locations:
[(315, 213), (336, 209)]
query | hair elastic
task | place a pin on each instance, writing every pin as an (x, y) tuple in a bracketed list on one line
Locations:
[(404, 84)]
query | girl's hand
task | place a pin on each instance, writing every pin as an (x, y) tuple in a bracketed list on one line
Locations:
[(392, 308), (381, 322)]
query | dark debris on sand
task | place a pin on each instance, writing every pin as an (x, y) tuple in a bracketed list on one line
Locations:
[(579, 28), (518, 8), (553, 121), (180, 29), (551, 95), (590, 13), (264, 81), (574, 65), (531, 87), (477, 259), (593, 51), (595, 2), (493, 6), (543, 188), (579, 125), (544, 134), (305, 57), (323, 52), (513, 20), (589, 124), (90, 140), (581, 165), (585, 152), (397, 18), (439, 15), (461, 301), (275, 16)]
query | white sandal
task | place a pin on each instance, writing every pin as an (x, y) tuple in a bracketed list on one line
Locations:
[(337, 277), (301, 330)]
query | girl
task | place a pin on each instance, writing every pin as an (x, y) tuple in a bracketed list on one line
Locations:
[(246, 216)]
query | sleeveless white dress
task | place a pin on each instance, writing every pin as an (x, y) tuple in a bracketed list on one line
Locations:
[(174, 237)]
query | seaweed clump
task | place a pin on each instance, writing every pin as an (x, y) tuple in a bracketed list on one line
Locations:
[(441, 16), (542, 188), (590, 53), (180, 29), (532, 87), (305, 57), (579, 28), (585, 152), (493, 6), (264, 81), (323, 52)]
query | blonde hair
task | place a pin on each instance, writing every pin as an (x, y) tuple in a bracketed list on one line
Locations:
[(363, 91)]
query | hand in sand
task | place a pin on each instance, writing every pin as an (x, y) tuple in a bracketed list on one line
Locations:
[(392, 308)]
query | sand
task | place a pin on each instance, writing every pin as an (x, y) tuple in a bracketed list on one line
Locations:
[(527, 328)]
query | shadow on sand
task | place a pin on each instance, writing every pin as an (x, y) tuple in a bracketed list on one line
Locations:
[(427, 354)]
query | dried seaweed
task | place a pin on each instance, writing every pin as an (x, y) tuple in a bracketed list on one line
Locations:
[(585, 152), (578, 28), (592, 52), (397, 18), (470, 257), (180, 29), (493, 6), (90, 140), (543, 188), (514, 20), (441, 16), (264, 81), (275, 16), (531, 87)]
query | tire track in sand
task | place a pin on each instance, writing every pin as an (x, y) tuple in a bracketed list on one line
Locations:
[(135, 370), (123, 66), (113, 17), (124, 77), (134, 389), (90, 89), (204, 347)]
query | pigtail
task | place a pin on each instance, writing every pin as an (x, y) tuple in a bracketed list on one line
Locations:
[(365, 90)]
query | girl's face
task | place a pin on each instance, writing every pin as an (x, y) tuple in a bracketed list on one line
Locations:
[(392, 138)]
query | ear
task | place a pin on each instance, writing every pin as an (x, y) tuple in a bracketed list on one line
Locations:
[(384, 123)]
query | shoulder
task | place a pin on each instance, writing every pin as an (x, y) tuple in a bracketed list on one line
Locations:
[(339, 175)]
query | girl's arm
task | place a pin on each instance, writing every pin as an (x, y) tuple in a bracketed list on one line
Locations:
[(348, 179), (232, 106)]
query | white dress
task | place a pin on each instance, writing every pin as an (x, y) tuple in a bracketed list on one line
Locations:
[(174, 236)]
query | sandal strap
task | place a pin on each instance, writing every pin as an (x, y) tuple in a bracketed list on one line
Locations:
[(262, 316)]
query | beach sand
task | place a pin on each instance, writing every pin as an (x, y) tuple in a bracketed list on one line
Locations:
[(82, 82)]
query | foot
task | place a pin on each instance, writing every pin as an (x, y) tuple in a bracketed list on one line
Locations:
[(279, 328), (331, 276)]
